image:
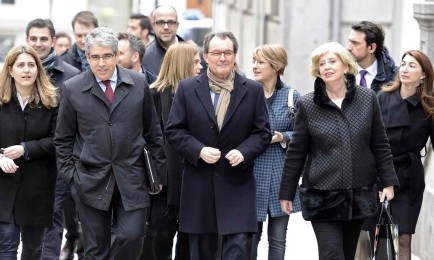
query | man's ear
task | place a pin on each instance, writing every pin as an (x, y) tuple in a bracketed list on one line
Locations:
[(136, 57), (372, 47)]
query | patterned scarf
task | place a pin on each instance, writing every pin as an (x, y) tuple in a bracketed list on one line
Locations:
[(82, 56), (224, 87), (48, 62)]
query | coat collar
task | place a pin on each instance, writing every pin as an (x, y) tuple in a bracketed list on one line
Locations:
[(203, 92), (320, 95), (398, 109), (123, 86)]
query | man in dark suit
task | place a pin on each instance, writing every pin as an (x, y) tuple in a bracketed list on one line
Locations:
[(106, 117), (219, 123), (40, 35)]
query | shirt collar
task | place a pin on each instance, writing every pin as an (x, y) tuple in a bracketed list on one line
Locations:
[(113, 78), (372, 70)]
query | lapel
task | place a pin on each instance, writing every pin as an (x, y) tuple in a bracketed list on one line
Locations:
[(90, 83), (123, 87), (236, 96), (398, 111), (203, 92)]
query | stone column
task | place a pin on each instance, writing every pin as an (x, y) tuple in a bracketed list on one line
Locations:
[(424, 14), (424, 236)]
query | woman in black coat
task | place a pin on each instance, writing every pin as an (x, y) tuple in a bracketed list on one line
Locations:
[(340, 146), (407, 107), (28, 110), (180, 62)]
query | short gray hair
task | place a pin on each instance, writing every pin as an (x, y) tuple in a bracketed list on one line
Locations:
[(102, 36)]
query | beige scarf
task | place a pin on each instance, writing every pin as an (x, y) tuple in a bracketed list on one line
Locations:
[(223, 87)]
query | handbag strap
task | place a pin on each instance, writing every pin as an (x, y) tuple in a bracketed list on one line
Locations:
[(291, 99), (385, 213)]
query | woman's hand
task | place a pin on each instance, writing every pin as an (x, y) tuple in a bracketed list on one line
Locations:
[(13, 152), (7, 165), (277, 137), (286, 206), (388, 193)]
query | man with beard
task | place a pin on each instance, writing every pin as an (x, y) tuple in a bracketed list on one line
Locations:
[(376, 67)]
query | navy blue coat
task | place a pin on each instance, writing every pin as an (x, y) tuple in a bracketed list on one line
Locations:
[(218, 198)]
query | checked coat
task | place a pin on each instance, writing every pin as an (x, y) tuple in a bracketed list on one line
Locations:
[(269, 165)]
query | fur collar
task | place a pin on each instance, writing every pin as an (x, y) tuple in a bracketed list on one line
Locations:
[(320, 95)]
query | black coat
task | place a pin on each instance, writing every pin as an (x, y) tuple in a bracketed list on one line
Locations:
[(61, 72), (154, 56), (408, 128), (29, 192), (340, 153), (99, 143), (163, 102), (71, 57), (218, 198)]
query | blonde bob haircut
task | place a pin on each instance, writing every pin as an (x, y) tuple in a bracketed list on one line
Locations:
[(274, 54), (178, 64), (43, 90), (340, 51)]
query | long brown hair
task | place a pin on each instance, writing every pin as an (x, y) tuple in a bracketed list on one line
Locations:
[(43, 90), (425, 90), (178, 64)]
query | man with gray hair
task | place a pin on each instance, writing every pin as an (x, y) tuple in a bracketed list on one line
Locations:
[(100, 149), (219, 123)]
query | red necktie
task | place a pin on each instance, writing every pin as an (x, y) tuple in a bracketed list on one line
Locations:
[(108, 90)]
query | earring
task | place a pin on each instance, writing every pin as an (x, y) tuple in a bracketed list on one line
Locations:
[(421, 81)]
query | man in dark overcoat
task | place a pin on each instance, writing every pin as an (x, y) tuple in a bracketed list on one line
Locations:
[(219, 124), (107, 116)]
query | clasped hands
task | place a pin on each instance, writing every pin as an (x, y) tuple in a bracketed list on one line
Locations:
[(10, 153), (212, 155)]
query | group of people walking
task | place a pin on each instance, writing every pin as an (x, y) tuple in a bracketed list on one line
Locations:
[(229, 151)]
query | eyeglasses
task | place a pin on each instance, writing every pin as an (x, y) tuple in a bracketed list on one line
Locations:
[(162, 23), (218, 54), (105, 57)]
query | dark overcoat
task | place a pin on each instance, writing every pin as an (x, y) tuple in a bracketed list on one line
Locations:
[(218, 198), (98, 143), (29, 192)]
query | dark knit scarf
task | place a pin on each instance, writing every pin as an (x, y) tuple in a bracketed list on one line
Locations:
[(49, 61), (82, 56)]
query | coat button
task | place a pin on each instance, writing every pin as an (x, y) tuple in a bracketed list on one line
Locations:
[(216, 174), (211, 125), (116, 162), (99, 196), (110, 123)]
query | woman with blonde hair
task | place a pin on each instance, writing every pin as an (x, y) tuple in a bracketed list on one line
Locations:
[(269, 63), (407, 106), (341, 148), (28, 111), (180, 62)]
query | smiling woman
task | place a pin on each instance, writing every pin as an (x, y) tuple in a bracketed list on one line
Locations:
[(28, 111)]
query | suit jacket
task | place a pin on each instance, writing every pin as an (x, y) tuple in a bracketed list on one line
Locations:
[(99, 143), (218, 198), (29, 192)]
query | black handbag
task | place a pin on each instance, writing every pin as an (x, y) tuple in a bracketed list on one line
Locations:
[(152, 179), (386, 236)]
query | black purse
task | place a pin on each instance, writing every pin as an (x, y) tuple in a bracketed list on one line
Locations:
[(386, 236), (152, 179)]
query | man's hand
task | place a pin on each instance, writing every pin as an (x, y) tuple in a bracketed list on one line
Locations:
[(286, 206), (234, 157), (210, 155), (13, 152)]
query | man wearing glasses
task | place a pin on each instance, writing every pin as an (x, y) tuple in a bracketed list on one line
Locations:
[(165, 24), (219, 123), (106, 117)]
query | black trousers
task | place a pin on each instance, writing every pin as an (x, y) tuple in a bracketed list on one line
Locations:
[(161, 229), (226, 247), (337, 240), (112, 234)]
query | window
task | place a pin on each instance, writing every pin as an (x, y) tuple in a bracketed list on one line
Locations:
[(6, 43), (10, 2)]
